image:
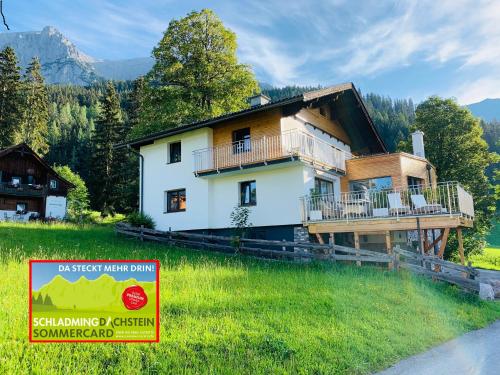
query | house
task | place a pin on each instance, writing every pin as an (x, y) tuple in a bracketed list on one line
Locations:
[(29, 187), (312, 166)]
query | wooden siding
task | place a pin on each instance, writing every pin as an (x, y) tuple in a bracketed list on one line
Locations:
[(398, 166), (332, 127), (22, 164), (261, 124), (33, 204)]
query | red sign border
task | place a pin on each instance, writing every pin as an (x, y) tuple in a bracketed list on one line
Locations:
[(155, 261)]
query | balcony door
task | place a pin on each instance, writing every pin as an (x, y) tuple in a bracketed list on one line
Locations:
[(241, 141)]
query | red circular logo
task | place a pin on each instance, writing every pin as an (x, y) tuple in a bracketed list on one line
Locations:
[(134, 297)]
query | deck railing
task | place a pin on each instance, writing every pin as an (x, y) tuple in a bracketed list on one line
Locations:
[(23, 189), (446, 198), (268, 148)]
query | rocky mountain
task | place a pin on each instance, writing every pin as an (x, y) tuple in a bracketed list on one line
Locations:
[(63, 63), (487, 109), (123, 69)]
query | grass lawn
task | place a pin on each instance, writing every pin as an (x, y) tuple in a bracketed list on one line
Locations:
[(490, 258), (223, 314)]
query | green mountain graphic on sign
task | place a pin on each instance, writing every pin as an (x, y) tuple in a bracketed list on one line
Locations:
[(101, 294)]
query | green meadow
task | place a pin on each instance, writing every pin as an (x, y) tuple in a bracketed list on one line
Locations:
[(231, 314), (490, 257)]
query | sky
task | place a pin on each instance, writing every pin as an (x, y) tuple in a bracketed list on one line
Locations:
[(403, 49), (42, 273)]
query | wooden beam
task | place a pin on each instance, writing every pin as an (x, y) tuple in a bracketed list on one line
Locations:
[(356, 245), (383, 224), (431, 245), (426, 240), (445, 234), (461, 246), (388, 246), (332, 242), (320, 239)]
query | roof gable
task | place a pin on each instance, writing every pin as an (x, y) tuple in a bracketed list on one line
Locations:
[(24, 148), (346, 100)]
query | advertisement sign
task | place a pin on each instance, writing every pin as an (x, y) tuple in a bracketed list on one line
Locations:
[(94, 301)]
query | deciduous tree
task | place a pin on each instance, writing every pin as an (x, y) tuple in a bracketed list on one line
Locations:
[(454, 144), (196, 74)]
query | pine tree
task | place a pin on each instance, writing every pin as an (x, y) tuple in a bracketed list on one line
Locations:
[(108, 131), (10, 97), (34, 125)]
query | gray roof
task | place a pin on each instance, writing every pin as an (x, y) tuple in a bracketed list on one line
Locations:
[(302, 98)]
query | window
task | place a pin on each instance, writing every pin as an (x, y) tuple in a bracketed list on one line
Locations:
[(415, 181), (21, 206), (174, 152), (248, 193), (241, 140), (53, 184), (323, 186), (31, 180), (175, 200), (372, 184), (16, 181)]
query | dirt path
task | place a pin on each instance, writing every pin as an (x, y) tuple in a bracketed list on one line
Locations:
[(476, 352)]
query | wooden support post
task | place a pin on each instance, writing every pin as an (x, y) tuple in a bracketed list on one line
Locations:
[(426, 241), (388, 246), (356, 245), (332, 242), (445, 234), (461, 249), (320, 239), (434, 243)]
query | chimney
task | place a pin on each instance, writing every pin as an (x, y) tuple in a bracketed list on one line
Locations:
[(259, 99), (417, 140)]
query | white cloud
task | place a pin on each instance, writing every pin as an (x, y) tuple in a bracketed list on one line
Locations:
[(268, 55)]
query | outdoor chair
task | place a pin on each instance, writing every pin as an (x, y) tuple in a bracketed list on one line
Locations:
[(396, 206), (422, 207)]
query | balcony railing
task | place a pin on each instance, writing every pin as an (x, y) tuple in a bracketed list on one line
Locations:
[(447, 198), (261, 150), (26, 190)]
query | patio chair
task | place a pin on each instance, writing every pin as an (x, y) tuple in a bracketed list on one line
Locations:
[(422, 207), (396, 206)]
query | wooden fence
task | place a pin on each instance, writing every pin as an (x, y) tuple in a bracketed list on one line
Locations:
[(437, 268), (285, 250), (430, 266)]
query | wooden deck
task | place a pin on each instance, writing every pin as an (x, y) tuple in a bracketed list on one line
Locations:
[(390, 224)]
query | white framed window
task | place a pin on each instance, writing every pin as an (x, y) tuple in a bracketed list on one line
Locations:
[(53, 184), (174, 152), (248, 193)]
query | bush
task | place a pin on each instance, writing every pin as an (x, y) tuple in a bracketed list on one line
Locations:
[(78, 197), (137, 219)]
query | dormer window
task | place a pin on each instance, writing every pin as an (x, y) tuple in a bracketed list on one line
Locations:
[(53, 184)]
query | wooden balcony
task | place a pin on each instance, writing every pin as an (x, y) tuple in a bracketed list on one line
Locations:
[(443, 205), (288, 146), (23, 190)]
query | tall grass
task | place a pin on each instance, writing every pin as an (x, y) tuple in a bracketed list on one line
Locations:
[(230, 314)]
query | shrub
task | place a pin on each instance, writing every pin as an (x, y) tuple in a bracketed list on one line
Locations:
[(137, 219), (78, 197)]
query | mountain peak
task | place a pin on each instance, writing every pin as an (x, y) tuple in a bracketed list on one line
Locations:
[(50, 30), (62, 62)]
